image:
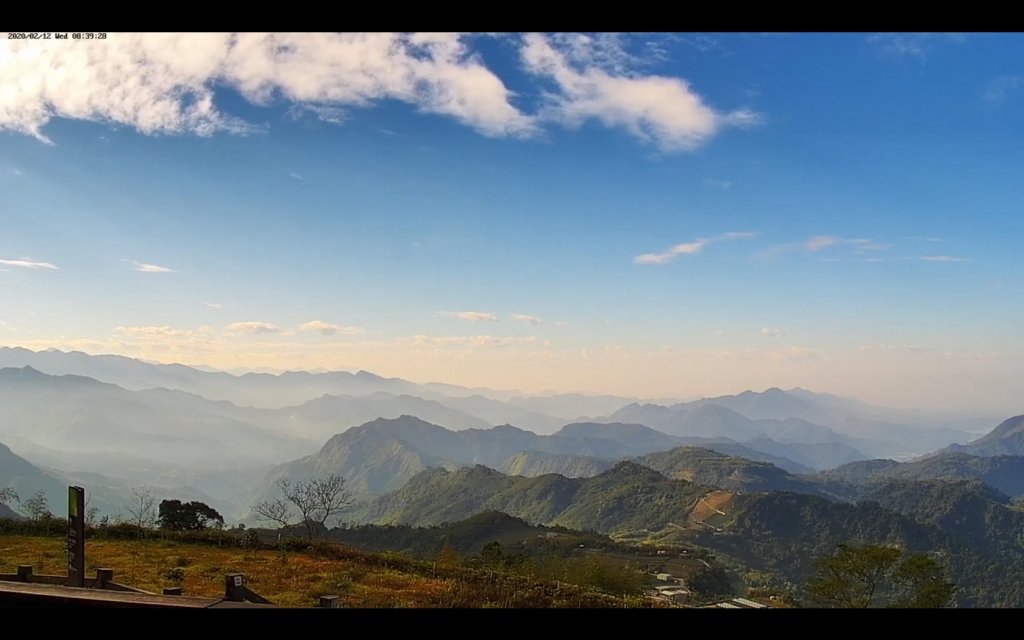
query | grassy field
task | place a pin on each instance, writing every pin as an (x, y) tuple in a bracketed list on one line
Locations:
[(299, 578)]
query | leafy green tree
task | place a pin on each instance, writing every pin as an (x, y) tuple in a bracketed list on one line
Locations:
[(492, 555), (921, 583), (176, 515), (876, 576), (710, 583)]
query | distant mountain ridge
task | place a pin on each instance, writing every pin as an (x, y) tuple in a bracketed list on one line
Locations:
[(1005, 439), (292, 388), (1005, 473), (792, 416), (382, 455), (76, 413)]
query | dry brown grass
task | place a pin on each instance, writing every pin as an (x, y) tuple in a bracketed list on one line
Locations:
[(295, 578), (299, 578)]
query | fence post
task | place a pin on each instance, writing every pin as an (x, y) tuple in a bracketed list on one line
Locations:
[(330, 602), (103, 576), (234, 584), (24, 573)]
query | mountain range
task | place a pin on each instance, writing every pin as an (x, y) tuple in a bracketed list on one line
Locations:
[(229, 436)]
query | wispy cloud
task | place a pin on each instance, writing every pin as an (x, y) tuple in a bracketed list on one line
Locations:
[(925, 239), (522, 317), (214, 305), (296, 176), (473, 341), (594, 80), (253, 328), (29, 263), (690, 248), (998, 90), (816, 244), (771, 332), (323, 113), (330, 329), (906, 348), (943, 259), (18, 172), (862, 245), (163, 83), (145, 267), (153, 331), (562, 323), (912, 45), (471, 316), (717, 183)]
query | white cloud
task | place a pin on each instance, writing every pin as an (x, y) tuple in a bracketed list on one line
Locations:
[(717, 183), (471, 316), (907, 348), (152, 331), (866, 244), (323, 113), (29, 263), (925, 239), (593, 81), (771, 332), (690, 248), (522, 317), (18, 172), (329, 329), (150, 268), (999, 89), (473, 341), (562, 323), (943, 259), (162, 83), (911, 45), (817, 243), (686, 248), (736, 235), (253, 328), (214, 305), (822, 242), (296, 176)]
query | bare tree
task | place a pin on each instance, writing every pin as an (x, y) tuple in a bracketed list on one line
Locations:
[(9, 496), (274, 511), (37, 507), (315, 500), (142, 508)]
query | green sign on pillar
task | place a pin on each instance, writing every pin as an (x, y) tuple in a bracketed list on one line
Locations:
[(76, 537)]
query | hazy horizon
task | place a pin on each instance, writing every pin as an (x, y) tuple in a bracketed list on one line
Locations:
[(656, 215)]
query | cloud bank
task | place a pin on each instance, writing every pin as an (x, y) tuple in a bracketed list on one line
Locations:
[(471, 316), (329, 329), (164, 83)]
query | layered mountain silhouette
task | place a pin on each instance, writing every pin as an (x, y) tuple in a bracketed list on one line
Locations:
[(1006, 439)]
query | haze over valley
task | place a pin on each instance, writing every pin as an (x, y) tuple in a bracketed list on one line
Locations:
[(530, 319)]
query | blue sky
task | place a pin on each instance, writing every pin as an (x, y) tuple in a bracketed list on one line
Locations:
[(649, 215)]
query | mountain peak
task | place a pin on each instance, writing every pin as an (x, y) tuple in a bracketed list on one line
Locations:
[(1007, 428), (363, 374)]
